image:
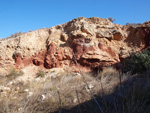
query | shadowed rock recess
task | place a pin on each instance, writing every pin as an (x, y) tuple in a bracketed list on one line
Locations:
[(95, 42)]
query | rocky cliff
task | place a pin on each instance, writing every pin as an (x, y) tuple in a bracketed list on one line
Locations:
[(93, 42)]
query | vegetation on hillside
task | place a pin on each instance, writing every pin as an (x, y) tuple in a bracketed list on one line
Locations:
[(138, 63), (111, 19)]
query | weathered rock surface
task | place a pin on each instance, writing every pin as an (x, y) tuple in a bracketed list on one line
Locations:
[(93, 42)]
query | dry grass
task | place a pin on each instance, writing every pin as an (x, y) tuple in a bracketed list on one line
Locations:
[(13, 73), (123, 93), (60, 92), (110, 78), (117, 93)]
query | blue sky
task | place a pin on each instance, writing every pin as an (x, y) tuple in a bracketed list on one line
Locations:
[(25, 15)]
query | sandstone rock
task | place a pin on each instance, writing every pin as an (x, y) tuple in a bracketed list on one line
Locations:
[(93, 42), (64, 37), (26, 90), (117, 35), (75, 100), (103, 33), (43, 97), (124, 53), (88, 28), (55, 72)]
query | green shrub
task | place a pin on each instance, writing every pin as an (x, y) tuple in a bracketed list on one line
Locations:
[(13, 73), (138, 63), (41, 73), (111, 19)]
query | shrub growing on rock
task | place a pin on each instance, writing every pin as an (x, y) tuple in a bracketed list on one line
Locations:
[(111, 19), (41, 73), (138, 63)]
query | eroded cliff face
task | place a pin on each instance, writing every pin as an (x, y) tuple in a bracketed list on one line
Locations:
[(93, 42)]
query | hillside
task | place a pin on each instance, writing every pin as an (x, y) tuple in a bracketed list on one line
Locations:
[(42, 70), (95, 42)]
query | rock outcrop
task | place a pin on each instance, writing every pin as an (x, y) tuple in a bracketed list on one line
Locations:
[(92, 42)]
